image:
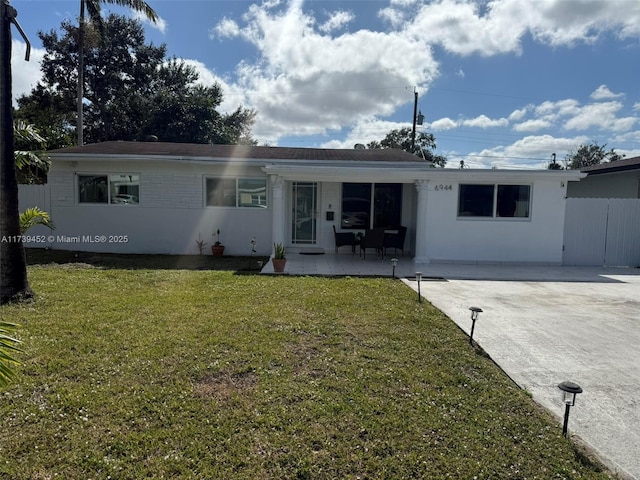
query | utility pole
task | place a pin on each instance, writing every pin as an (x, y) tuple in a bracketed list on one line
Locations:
[(80, 93), (415, 116)]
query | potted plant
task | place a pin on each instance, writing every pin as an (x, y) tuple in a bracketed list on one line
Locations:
[(278, 260), (217, 249)]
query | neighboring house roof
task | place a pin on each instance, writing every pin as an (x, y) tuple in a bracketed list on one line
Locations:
[(611, 167), (237, 152)]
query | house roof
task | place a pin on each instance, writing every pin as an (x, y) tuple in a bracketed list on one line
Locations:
[(308, 164), (611, 167), (238, 152)]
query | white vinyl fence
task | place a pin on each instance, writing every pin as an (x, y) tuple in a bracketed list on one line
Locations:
[(602, 232), (35, 196)]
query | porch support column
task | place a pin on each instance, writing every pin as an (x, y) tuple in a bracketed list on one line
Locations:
[(422, 255), (278, 227)]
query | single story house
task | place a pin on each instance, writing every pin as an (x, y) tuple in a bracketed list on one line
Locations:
[(154, 197)]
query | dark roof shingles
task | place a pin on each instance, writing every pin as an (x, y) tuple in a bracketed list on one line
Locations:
[(619, 165), (239, 152)]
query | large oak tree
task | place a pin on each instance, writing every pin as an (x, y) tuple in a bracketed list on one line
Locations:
[(93, 9), (131, 90)]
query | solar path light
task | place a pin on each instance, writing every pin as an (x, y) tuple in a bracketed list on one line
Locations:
[(394, 264), (475, 311), (418, 279), (569, 392)]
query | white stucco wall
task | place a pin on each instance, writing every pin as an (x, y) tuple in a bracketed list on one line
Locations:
[(537, 239), (169, 219)]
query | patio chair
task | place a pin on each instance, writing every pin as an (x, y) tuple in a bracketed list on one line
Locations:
[(373, 239), (395, 240), (344, 238)]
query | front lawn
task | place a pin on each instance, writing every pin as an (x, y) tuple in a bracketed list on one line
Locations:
[(131, 374)]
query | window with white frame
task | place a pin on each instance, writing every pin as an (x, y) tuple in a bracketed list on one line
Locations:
[(494, 201), (115, 189), (236, 192)]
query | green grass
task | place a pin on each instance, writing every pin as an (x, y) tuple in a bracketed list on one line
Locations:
[(131, 374)]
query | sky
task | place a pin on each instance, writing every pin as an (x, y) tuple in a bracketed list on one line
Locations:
[(501, 83)]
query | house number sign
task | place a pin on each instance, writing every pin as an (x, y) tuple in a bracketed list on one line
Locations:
[(443, 187)]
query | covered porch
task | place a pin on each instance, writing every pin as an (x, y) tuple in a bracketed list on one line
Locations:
[(309, 204)]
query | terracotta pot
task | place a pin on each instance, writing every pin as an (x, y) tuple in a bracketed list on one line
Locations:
[(278, 264), (217, 250)]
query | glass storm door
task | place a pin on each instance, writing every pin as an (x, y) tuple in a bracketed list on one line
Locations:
[(304, 197)]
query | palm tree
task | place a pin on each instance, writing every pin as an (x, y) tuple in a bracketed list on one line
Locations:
[(35, 216), (13, 265), (32, 161), (93, 8), (8, 346)]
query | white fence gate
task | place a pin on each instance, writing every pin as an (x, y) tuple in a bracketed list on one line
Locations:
[(602, 231)]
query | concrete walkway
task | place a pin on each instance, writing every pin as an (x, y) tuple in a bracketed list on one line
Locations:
[(544, 325)]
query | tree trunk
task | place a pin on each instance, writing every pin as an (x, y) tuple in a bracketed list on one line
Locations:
[(13, 268), (80, 123)]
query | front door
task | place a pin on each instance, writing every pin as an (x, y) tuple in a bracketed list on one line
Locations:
[(304, 198)]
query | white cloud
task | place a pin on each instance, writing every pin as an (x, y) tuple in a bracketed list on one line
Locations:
[(603, 93), (532, 125), (443, 124), (483, 121), (308, 79), (498, 26), (160, 24), (227, 28), (232, 96), (517, 115), (365, 130), (336, 21), (25, 75), (627, 137), (552, 111), (527, 152), (309, 82), (600, 115)]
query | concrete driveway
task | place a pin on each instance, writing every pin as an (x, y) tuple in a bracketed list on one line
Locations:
[(546, 325)]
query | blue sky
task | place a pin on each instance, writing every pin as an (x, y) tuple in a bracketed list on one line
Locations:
[(502, 83)]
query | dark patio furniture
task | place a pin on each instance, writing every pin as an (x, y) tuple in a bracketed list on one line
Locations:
[(373, 239), (395, 240), (344, 238)]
